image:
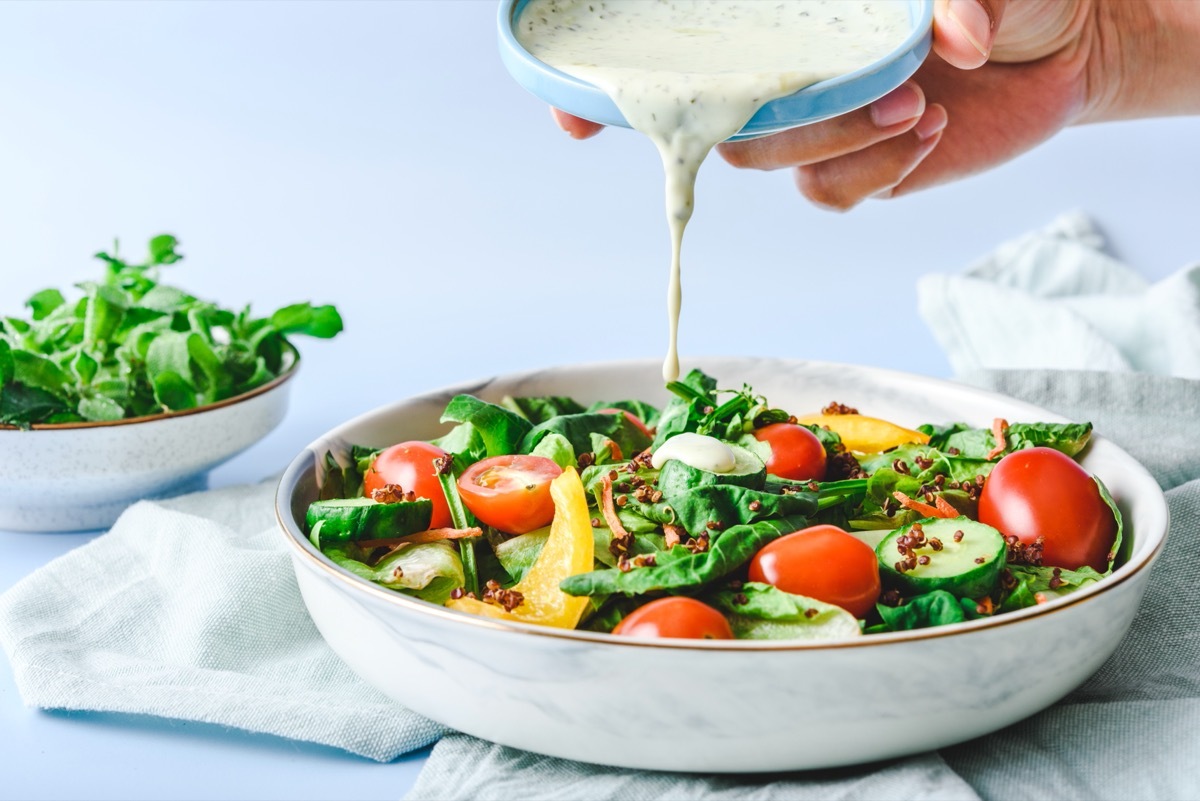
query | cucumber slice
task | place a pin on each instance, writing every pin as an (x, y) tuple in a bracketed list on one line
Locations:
[(748, 471), (960, 555), (353, 519)]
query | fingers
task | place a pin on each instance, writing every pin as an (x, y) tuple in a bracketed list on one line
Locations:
[(965, 30), (889, 116), (875, 171), (576, 127)]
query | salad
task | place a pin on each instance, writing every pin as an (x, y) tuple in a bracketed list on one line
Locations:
[(719, 516)]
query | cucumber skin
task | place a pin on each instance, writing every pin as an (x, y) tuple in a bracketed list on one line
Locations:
[(352, 522), (974, 583)]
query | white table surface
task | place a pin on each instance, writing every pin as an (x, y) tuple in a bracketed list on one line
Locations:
[(376, 156)]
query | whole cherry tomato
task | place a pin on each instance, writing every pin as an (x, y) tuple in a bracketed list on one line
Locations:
[(796, 453), (410, 465), (1041, 492), (683, 618), (821, 562)]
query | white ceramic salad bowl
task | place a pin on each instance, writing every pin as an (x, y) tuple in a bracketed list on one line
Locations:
[(724, 706)]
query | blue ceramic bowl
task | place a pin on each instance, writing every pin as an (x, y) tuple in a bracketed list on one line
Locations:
[(817, 102)]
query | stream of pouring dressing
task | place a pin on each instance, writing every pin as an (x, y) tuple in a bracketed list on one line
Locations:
[(690, 73)]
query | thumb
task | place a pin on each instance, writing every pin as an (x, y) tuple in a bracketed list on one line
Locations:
[(965, 30)]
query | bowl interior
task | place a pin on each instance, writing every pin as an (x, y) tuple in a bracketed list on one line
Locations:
[(814, 103), (793, 385)]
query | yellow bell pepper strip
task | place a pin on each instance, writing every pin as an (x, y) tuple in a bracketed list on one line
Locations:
[(865, 434), (569, 550)]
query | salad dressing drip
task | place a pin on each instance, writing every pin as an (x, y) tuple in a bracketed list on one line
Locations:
[(691, 73)]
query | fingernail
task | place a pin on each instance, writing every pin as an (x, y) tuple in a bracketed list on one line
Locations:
[(902, 103), (975, 20), (930, 125)]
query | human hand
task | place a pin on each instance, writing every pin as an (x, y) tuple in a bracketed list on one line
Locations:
[(1002, 78)]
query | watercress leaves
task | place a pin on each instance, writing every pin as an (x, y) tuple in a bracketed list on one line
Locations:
[(132, 346)]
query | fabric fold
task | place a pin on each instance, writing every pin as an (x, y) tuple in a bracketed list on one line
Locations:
[(1055, 299), (189, 609)]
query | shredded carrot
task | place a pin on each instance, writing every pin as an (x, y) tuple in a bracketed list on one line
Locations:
[(985, 606), (610, 512), (999, 426), (422, 537), (924, 508), (944, 507)]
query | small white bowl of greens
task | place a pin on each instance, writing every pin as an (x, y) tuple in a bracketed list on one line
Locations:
[(133, 388)]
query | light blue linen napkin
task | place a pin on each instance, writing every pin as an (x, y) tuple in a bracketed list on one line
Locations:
[(189, 609), (1055, 298)]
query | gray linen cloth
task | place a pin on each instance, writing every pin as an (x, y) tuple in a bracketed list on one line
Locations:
[(1132, 731)]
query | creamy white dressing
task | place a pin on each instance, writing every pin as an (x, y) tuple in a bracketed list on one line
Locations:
[(695, 450), (691, 73)]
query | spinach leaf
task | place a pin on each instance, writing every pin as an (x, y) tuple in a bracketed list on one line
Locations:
[(465, 444), (1121, 547), (578, 429), (977, 443), (1046, 581), (540, 409), (694, 394), (937, 608), (500, 430), (643, 411), (679, 568), (428, 571), (557, 449), (728, 505), (763, 612)]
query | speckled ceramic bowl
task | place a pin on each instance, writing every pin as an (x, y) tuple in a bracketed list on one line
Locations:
[(723, 706), (81, 476)]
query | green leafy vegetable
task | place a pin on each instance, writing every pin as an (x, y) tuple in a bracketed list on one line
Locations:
[(132, 346), (937, 608), (977, 443), (679, 568), (540, 409), (428, 571), (500, 429), (763, 612)]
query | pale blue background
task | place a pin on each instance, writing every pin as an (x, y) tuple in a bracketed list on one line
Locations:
[(375, 155)]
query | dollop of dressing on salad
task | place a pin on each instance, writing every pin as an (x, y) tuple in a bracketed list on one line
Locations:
[(691, 73), (695, 450)]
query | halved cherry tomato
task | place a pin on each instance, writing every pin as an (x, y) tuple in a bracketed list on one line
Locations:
[(683, 618), (410, 465), (632, 418), (821, 562), (1041, 492), (796, 453), (569, 550), (511, 493)]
